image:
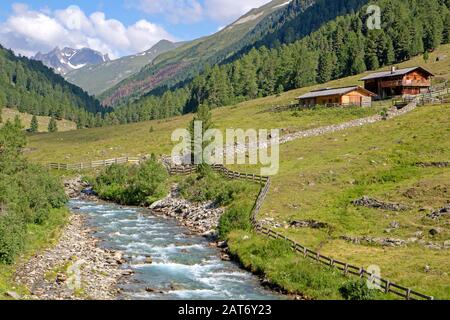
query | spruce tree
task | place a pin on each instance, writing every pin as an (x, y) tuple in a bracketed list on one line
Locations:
[(204, 116), (34, 126)]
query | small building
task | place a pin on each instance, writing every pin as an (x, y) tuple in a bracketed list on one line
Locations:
[(398, 82), (345, 96)]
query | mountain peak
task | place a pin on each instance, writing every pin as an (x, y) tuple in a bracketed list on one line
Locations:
[(68, 59)]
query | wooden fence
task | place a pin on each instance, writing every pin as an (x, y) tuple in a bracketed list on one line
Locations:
[(348, 269), (95, 164), (385, 285)]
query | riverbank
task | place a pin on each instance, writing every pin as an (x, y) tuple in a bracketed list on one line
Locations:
[(75, 268)]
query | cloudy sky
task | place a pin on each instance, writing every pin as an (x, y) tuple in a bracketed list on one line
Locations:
[(116, 27)]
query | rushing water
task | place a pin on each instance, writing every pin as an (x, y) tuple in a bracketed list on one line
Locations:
[(184, 265)]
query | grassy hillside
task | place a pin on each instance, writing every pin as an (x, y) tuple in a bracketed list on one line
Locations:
[(10, 114), (320, 177), (135, 139)]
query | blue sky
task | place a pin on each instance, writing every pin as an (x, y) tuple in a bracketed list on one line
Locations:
[(117, 27)]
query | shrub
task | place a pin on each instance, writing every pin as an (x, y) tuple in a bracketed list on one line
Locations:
[(237, 217), (28, 193), (141, 185), (12, 234), (357, 290), (210, 186)]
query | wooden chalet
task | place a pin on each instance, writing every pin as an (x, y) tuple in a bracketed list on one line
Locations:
[(398, 82), (345, 96)]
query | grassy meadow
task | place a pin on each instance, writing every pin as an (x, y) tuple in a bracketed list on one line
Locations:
[(320, 177), (10, 114)]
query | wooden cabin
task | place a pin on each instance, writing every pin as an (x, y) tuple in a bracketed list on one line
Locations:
[(398, 82), (346, 96)]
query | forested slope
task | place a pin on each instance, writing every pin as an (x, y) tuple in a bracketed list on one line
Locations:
[(339, 48), (30, 87)]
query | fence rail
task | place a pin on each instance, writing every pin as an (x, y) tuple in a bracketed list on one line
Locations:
[(95, 164), (347, 269)]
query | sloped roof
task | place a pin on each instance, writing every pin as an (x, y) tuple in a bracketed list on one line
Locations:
[(396, 73), (333, 92)]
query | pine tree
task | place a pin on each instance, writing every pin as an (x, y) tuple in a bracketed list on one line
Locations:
[(325, 67), (52, 125), (34, 126), (204, 116), (446, 32)]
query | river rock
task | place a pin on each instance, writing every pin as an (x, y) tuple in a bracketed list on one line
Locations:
[(435, 231), (148, 260), (13, 294)]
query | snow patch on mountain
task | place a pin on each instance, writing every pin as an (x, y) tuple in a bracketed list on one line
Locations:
[(68, 59)]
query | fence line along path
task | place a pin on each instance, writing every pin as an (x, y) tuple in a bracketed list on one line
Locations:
[(385, 285)]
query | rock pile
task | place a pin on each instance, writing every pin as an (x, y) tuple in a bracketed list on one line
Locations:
[(374, 203), (74, 269), (440, 213), (202, 217), (385, 242), (309, 224), (74, 186), (391, 242)]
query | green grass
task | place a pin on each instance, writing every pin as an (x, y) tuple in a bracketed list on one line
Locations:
[(10, 114), (320, 177), (288, 270), (136, 139), (38, 238)]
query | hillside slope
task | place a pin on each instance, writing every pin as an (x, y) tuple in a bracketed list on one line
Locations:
[(25, 118), (184, 62), (321, 176), (136, 138), (98, 78), (30, 87)]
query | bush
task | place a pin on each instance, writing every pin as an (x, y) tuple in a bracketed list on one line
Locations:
[(210, 186), (129, 185), (28, 193), (237, 217), (12, 236), (357, 290)]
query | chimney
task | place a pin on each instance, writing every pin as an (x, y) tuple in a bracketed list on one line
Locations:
[(393, 69)]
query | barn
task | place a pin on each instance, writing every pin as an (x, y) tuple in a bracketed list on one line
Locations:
[(398, 82), (345, 96)]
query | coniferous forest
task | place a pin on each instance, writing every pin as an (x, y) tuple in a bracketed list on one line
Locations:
[(339, 48), (29, 86)]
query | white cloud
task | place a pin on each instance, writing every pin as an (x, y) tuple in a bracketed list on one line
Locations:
[(27, 31), (190, 11), (176, 11), (228, 10)]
